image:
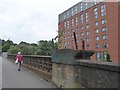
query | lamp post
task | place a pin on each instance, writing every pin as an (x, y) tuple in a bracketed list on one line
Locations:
[(83, 47)]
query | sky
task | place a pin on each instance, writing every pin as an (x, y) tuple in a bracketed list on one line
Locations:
[(31, 20)]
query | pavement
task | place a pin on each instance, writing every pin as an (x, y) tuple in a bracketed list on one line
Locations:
[(12, 78)]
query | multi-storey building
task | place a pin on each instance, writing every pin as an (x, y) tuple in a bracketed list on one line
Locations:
[(95, 23)]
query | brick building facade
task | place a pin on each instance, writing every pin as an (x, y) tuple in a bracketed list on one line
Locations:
[(95, 23)]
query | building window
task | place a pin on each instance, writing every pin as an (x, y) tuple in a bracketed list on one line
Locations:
[(64, 25), (64, 16), (72, 36), (76, 21), (72, 41), (87, 26), (87, 39), (72, 11), (72, 21), (82, 19), (72, 30), (104, 37), (87, 46), (95, 12), (82, 34), (65, 44), (87, 32), (76, 29), (96, 23), (68, 24), (105, 45), (64, 38), (68, 43), (104, 29), (103, 12), (97, 45), (77, 41), (98, 55), (76, 9), (86, 5), (81, 6), (68, 32), (82, 27), (76, 35), (97, 38), (68, 37), (64, 32), (96, 31), (87, 17), (103, 21), (67, 14)]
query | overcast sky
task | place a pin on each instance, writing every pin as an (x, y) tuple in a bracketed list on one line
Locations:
[(31, 20)]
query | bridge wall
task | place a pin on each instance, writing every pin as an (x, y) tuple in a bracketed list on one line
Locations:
[(40, 65), (73, 74), (83, 73)]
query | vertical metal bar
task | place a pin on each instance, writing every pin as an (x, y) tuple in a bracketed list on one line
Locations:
[(75, 40)]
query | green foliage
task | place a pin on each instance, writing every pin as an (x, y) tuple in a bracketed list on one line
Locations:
[(6, 45), (13, 50), (45, 47)]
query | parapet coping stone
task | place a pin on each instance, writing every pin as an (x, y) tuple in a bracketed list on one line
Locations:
[(99, 65)]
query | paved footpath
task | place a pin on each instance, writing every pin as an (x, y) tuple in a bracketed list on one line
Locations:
[(11, 78)]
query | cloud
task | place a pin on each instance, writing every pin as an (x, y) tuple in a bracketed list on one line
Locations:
[(31, 20)]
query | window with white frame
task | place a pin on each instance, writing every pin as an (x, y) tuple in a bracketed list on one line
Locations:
[(95, 12), (82, 19), (97, 45), (87, 32), (105, 45), (82, 34), (96, 23), (72, 41), (76, 9), (72, 30), (86, 5), (68, 24), (104, 21), (87, 26), (72, 21), (64, 38), (72, 11), (68, 37), (96, 31), (76, 29), (87, 39), (104, 37), (98, 55), (97, 38), (81, 6), (65, 25), (76, 35), (64, 16), (103, 11), (104, 29), (68, 14), (87, 16), (87, 46), (76, 19), (82, 28)]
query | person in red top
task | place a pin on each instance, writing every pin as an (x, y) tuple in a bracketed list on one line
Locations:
[(19, 57)]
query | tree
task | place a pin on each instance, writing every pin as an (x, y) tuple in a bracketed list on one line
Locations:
[(45, 47), (6, 45), (13, 50)]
